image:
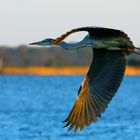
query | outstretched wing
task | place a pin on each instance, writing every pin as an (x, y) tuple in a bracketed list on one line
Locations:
[(99, 86)]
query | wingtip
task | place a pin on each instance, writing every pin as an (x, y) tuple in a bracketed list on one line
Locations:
[(71, 126), (67, 124), (65, 121), (76, 128)]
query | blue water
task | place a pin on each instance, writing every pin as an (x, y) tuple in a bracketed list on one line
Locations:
[(33, 108)]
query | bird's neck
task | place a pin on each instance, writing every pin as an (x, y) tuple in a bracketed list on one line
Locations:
[(84, 43)]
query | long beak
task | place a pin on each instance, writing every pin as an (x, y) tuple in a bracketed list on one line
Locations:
[(34, 43)]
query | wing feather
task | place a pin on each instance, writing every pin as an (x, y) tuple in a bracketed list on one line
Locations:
[(99, 86)]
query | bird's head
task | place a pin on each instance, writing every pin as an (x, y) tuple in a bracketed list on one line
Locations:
[(44, 42)]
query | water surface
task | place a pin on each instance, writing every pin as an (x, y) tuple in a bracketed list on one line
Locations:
[(33, 108)]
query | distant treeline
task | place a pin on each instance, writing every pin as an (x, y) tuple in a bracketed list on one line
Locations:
[(49, 56)]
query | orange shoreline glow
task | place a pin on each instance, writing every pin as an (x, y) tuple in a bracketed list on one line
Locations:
[(74, 70)]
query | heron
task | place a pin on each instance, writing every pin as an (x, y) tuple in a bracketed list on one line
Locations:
[(110, 48)]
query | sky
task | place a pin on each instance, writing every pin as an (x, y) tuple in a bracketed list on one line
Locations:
[(26, 21)]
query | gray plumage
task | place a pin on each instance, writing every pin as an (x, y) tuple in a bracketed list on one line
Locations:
[(110, 47)]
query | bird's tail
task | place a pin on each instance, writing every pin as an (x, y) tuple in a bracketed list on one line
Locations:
[(63, 36), (138, 53)]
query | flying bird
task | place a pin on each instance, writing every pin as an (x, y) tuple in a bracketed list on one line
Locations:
[(110, 48)]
